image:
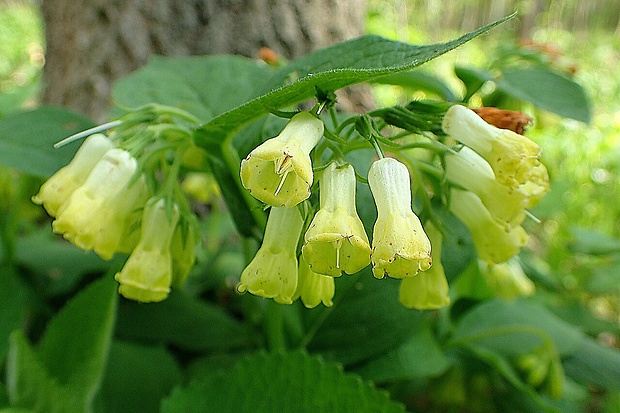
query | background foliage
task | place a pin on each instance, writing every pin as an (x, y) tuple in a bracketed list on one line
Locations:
[(68, 343)]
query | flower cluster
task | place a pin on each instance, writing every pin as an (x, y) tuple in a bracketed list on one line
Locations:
[(279, 173), (101, 201)]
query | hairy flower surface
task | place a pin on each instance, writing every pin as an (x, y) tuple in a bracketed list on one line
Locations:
[(336, 240), (429, 289), (513, 157), (279, 171), (469, 170), (147, 274), (400, 248), (59, 187), (495, 241), (313, 288), (273, 271), (96, 215)]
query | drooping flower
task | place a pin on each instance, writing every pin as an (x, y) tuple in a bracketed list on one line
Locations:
[(507, 279), (400, 248), (59, 187), (147, 274), (97, 214), (495, 241), (273, 271), (314, 288), (513, 157), (279, 171), (469, 170), (336, 240), (183, 250), (429, 289)]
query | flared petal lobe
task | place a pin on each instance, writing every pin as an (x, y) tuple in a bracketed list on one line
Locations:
[(279, 171), (336, 240), (400, 247), (313, 288), (272, 273)]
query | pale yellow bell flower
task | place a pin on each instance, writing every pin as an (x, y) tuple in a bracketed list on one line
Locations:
[(97, 214), (512, 157), (400, 247), (147, 274), (279, 171), (313, 288), (468, 169), (57, 189), (336, 240), (272, 273), (429, 289), (183, 250), (507, 279), (495, 241)]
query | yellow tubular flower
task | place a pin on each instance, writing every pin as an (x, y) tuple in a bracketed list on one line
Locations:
[(507, 279), (428, 290), (495, 241), (314, 288), (183, 250), (512, 156), (279, 172), (57, 189), (336, 240), (96, 214), (400, 248), (147, 274), (273, 271), (469, 170)]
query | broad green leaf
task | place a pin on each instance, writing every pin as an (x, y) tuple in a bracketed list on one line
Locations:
[(594, 364), (13, 307), (75, 344), (182, 321), (605, 278), (547, 90), (60, 265), (513, 328), (417, 80), (593, 243), (283, 383), (202, 85), (27, 139), (137, 378), (420, 357), (366, 320), (329, 69)]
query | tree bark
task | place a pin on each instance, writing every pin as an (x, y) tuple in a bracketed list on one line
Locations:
[(91, 43)]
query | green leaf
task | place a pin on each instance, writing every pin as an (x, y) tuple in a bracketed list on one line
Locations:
[(366, 321), (594, 364), (200, 85), (13, 308), (289, 382), (513, 328), (60, 264), (547, 90), (182, 321), (137, 378), (419, 357), (593, 243), (329, 69), (418, 81), (75, 344), (472, 78), (27, 139)]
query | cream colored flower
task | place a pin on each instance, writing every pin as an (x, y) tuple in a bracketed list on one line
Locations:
[(513, 157), (429, 289), (314, 288), (507, 279), (273, 271), (400, 248), (279, 172), (147, 274), (336, 240), (495, 240), (57, 189), (97, 214)]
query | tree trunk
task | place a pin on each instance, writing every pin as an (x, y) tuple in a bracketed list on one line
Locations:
[(91, 43)]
